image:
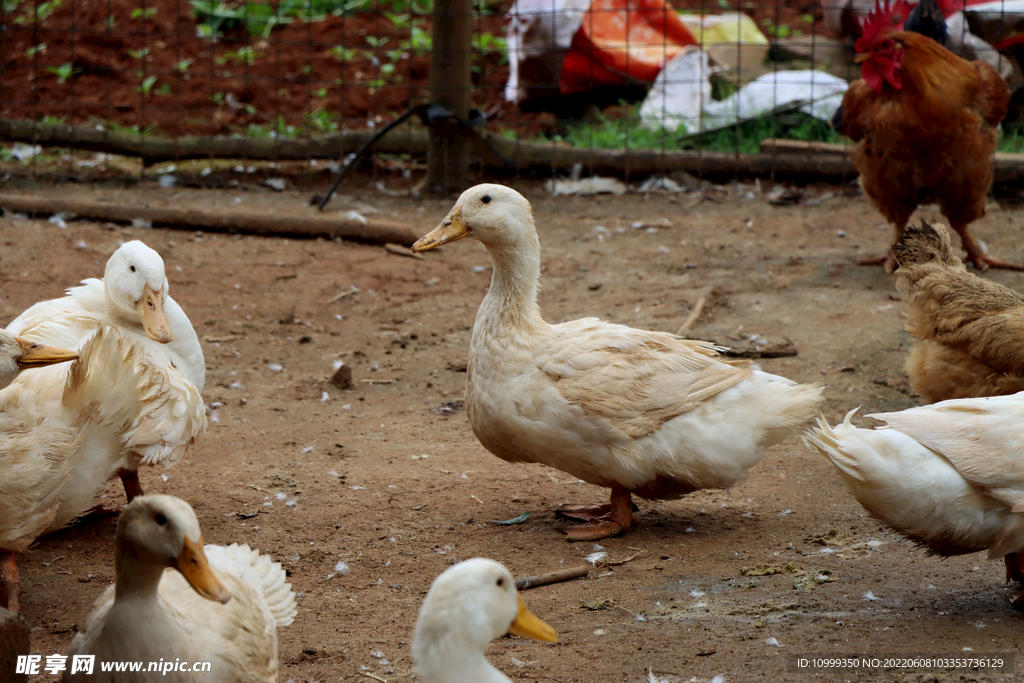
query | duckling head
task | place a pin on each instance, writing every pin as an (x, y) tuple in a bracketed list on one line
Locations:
[(495, 215), (467, 607), (137, 285), (157, 531), (17, 355)]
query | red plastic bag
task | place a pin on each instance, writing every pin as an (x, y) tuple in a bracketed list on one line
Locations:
[(622, 42)]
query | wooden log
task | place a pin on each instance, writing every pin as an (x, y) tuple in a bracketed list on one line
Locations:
[(552, 577), (313, 225), (1009, 166)]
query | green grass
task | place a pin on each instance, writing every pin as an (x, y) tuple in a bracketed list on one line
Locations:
[(603, 132)]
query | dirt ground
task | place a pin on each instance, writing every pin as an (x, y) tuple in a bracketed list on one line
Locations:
[(388, 478)]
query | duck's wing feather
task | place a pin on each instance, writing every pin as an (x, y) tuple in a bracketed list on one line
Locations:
[(173, 415), (66, 322), (636, 379), (982, 439)]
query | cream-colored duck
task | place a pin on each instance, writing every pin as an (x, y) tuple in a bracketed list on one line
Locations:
[(63, 430), (467, 607), (133, 297), (949, 475), (221, 605), (639, 412)]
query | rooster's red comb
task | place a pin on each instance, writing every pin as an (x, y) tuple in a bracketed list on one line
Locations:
[(883, 19)]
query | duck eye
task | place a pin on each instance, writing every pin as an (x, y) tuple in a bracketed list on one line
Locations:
[(486, 199), (132, 268), (501, 581), (160, 519)]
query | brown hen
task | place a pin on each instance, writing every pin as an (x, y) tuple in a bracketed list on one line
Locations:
[(968, 331)]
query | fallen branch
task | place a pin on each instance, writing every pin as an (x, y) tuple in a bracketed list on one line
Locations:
[(313, 225), (692, 318), (552, 577)]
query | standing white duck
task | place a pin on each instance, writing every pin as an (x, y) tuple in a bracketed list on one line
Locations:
[(133, 297), (467, 607), (639, 412), (949, 476), (63, 430), (221, 605)]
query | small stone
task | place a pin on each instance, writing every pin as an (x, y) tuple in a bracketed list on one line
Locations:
[(343, 377)]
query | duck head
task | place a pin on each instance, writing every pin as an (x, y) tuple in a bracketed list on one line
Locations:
[(137, 286), (18, 355), (495, 215), (157, 531)]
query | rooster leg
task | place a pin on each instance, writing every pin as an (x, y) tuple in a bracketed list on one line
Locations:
[(619, 518), (977, 254), (888, 261), (10, 581)]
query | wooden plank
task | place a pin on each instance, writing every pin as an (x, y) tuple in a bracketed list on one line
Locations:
[(451, 85), (292, 225)]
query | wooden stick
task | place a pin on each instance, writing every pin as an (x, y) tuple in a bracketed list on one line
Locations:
[(692, 318), (552, 577), (312, 225)]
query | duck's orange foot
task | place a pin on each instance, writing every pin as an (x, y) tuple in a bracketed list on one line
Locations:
[(593, 531), (583, 512), (603, 521), (1014, 567), (887, 262), (10, 582)]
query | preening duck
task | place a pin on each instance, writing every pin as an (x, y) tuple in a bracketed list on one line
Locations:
[(133, 298)]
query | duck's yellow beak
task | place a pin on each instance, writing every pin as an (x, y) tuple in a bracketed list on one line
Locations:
[(193, 566), (528, 625), (154, 320), (451, 229), (36, 355)]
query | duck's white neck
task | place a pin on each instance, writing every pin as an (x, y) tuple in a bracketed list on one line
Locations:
[(449, 663), (136, 580), (511, 302), (120, 317)]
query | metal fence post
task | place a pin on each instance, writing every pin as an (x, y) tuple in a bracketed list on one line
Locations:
[(450, 87)]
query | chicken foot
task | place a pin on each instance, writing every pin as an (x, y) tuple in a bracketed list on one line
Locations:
[(618, 518), (978, 255)]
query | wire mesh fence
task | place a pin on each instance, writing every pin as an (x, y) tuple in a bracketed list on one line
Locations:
[(624, 86)]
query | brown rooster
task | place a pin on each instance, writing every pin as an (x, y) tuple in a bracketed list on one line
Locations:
[(968, 331), (925, 125)]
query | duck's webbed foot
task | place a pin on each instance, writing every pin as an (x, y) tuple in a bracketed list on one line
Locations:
[(602, 521)]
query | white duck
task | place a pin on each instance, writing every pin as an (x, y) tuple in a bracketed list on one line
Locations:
[(467, 607), (133, 297), (949, 476), (639, 412), (62, 433), (221, 605)]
